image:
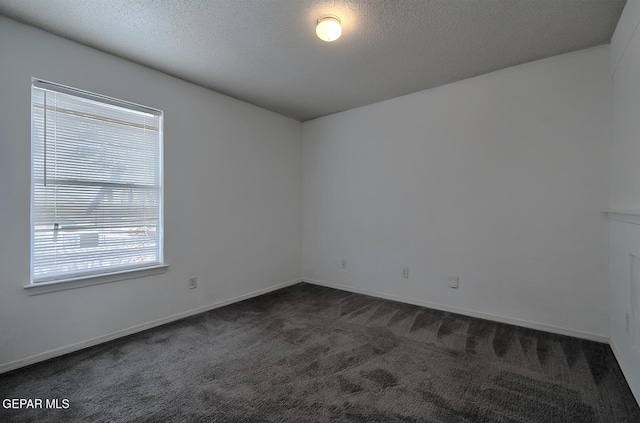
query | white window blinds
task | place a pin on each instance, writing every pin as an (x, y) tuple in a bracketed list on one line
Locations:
[(96, 190)]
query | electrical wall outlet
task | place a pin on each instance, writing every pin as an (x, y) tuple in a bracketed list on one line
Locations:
[(405, 272), (453, 282), (193, 282), (343, 264)]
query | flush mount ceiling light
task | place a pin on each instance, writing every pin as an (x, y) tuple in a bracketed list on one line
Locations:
[(328, 28)]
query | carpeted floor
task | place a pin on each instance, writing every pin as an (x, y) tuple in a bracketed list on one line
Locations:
[(312, 354)]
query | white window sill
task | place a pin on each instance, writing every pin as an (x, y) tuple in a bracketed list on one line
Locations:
[(64, 284), (628, 216)]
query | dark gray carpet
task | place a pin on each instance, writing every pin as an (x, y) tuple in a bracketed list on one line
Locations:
[(307, 353)]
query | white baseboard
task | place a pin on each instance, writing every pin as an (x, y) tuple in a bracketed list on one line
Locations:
[(624, 368), (134, 329), (466, 312)]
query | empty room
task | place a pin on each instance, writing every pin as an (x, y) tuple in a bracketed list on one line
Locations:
[(300, 210)]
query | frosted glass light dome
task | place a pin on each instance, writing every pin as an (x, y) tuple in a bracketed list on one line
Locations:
[(328, 28)]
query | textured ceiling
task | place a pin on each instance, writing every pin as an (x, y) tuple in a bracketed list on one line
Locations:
[(265, 52)]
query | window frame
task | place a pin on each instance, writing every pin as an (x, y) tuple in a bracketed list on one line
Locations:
[(107, 275)]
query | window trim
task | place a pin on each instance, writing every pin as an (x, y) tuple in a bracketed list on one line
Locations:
[(88, 95), (81, 280)]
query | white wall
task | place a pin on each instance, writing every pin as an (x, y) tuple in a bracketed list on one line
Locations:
[(625, 184), (232, 188), (500, 180)]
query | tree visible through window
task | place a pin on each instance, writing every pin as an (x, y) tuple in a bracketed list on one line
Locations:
[(96, 190)]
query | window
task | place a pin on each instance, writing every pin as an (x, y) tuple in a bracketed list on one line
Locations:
[(96, 185)]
